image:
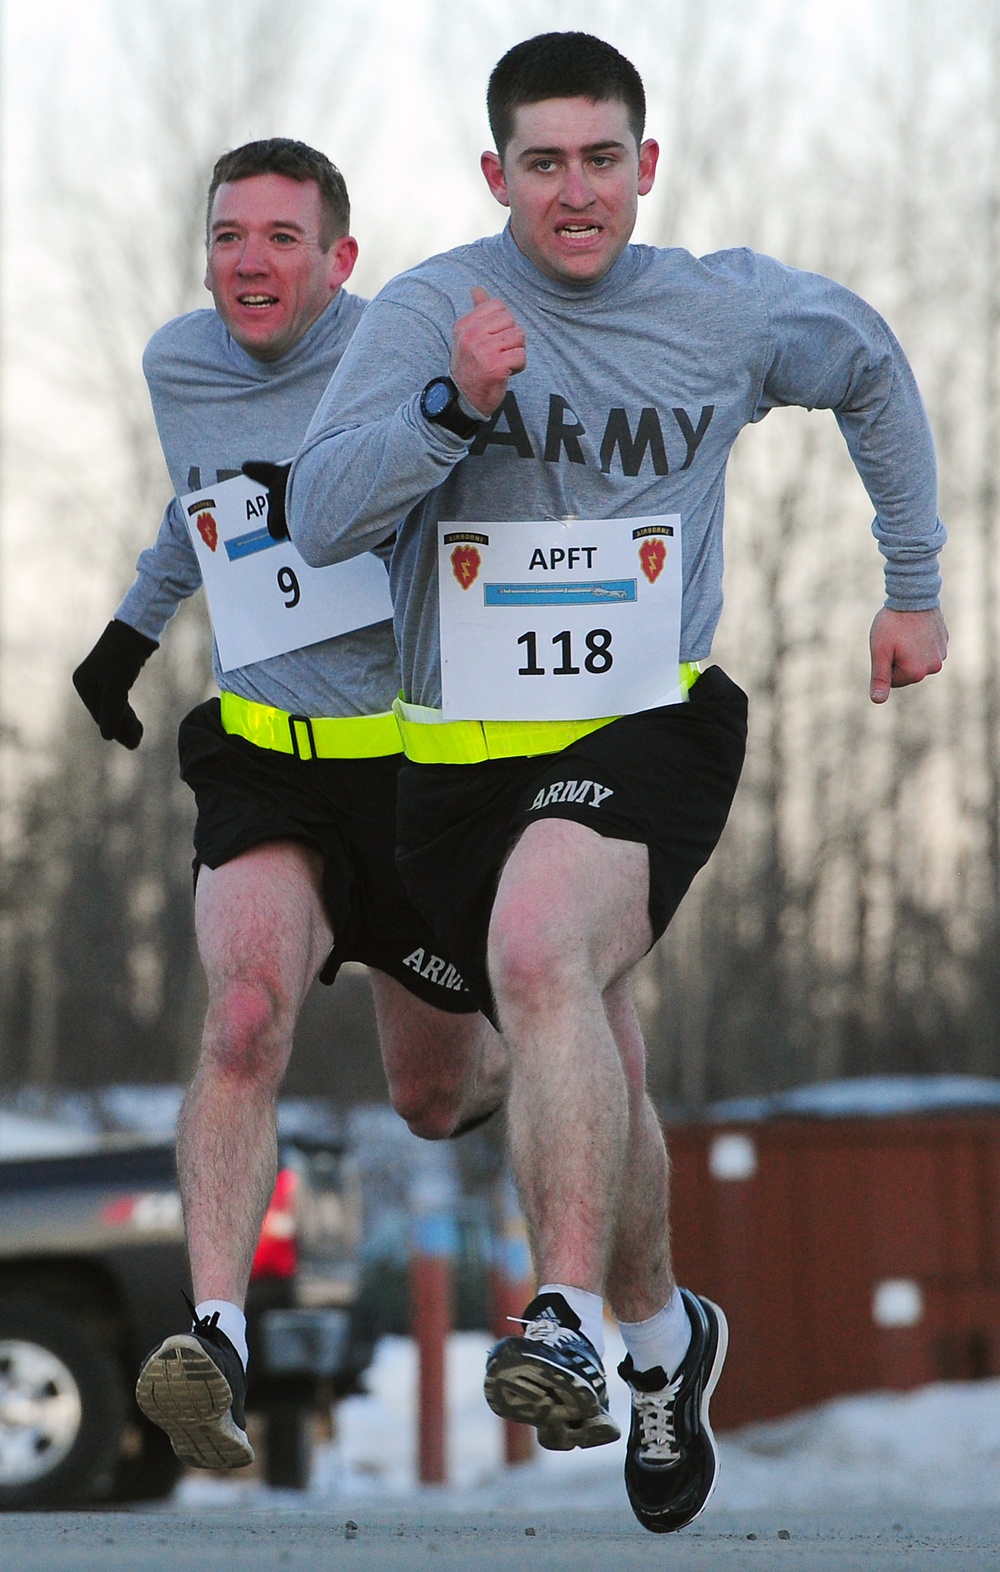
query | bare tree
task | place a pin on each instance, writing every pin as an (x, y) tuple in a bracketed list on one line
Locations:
[(850, 920), (834, 931)]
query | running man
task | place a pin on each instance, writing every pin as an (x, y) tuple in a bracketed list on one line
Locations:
[(545, 417), (294, 771)]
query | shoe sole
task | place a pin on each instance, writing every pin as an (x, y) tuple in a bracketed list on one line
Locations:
[(563, 1408), (721, 1349), (181, 1389)]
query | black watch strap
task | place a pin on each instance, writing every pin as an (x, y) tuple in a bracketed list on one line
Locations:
[(439, 403)]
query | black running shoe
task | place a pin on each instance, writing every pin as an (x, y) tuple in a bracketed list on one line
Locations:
[(671, 1463), (551, 1377), (194, 1387)]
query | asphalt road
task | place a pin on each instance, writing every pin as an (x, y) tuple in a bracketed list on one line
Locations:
[(385, 1540)]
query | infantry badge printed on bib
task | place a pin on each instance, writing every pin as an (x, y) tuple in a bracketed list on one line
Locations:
[(560, 619), (264, 599)]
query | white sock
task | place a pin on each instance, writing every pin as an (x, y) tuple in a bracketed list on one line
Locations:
[(662, 1340), (589, 1307), (231, 1320)]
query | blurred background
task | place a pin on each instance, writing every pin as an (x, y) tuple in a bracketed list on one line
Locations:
[(849, 924), (849, 921)]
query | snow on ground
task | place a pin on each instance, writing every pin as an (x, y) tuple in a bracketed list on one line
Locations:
[(936, 1447), (24, 1135)]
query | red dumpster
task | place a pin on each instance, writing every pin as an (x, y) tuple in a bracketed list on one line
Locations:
[(850, 1250)]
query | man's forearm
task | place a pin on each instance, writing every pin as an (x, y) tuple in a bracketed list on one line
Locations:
[(369, 456), (350, 488), (889, 438), (166, 573)]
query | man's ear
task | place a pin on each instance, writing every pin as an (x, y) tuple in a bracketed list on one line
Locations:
[(649, 152), (342, 256), (492, 168)]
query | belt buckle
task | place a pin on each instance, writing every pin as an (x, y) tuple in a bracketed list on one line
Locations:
[(303, 720)]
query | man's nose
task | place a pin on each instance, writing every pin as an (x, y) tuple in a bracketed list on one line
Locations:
[(252, 257), (576, 188)]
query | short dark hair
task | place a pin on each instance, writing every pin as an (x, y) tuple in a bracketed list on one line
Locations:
[(562, 65), (280, 155)]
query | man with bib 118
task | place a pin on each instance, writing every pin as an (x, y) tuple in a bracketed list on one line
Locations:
[(294, 770), (545, 416)]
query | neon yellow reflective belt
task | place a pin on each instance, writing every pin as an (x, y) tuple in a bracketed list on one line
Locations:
[(311, 737), (427, 739)]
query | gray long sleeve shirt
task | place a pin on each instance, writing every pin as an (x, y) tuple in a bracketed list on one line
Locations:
[(635, 390), (215, 407)]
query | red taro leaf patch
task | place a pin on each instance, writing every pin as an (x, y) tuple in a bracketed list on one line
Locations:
[(652, 555), (465, 564), (208, 530)]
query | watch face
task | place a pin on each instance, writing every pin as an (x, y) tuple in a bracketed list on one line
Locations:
[(437, 397)]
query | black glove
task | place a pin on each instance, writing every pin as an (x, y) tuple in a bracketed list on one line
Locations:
[(275, 478), (104, 678)]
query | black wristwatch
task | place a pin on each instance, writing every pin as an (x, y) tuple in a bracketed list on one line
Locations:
[(439, 404)]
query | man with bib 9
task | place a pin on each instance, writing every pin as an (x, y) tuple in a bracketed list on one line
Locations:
[(294, 770), (545, 417)]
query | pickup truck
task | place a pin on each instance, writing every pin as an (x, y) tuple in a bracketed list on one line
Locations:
[(92, 1265)]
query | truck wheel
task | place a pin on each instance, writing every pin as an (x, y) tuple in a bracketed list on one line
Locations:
[(62, 1408), (288, 1446)]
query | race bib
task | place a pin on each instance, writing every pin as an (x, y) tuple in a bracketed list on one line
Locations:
[(264, 600), (559, 619)]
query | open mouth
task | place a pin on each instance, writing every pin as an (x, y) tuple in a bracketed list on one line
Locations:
[(257, 302), (579, 231)]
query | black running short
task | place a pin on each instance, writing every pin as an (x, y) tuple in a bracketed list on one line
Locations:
[(346, 809), (665, 777)]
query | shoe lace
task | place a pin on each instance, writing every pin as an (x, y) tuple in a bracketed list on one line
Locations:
[(205, 1323), (655, 1412), (545, 1330)]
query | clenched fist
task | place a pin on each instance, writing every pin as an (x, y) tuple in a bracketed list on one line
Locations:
[(488, 348)]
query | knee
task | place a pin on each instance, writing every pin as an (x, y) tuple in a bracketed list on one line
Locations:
[(433, 1060), (527, 966), (430, 1109), (247, 1035), (432, 1123)]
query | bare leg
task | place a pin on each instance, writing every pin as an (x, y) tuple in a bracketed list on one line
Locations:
[(442, 1068), (262, 934), (570, 920), (640, 1276)]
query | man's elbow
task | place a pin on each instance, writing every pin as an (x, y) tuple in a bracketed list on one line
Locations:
[(312, 546), (306, 525)]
